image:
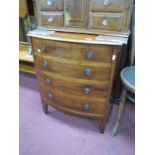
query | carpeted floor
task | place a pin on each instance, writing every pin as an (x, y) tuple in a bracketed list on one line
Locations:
[(61, 134)]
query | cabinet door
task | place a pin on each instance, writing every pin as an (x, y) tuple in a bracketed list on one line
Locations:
[(76, 13)]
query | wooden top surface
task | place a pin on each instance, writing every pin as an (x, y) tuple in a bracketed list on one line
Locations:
[(78, 38)]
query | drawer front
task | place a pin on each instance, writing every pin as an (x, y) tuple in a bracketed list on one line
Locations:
[(74, 87), (78, 103), (51, 5), (72, 68), (106, 21), (106, 5), (52, 19), (95, 53)]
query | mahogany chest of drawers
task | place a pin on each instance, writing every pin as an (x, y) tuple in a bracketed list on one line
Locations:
[(110, 17), (76, 70), (75, 75)]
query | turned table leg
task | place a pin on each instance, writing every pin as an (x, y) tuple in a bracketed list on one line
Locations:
[(101, 124), (45, 107), (109, 111), (120, 112)]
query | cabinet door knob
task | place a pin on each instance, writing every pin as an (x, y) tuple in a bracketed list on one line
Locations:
[(86, 106), (88, 71), (105, 22), (50, 96), (89, 55), (41, 49), (50, 20), (48, 81), (106, 2), (49, 2), (45, 63), (87, 90)]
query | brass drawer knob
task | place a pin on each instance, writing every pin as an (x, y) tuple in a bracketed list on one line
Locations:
[(45, 63), (87, 90), (50, 96), (48, 81), (49, 2), (86, 106), (105, 22), (89, 55), (50, 20), (41, 49), (106, 2), (88, 71)]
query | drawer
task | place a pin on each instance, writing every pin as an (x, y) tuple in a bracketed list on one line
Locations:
[(75, 102), (73, 86), (106, 5), (106, 21), (51, 5), (73, 68), (54, 19), (95, 53)]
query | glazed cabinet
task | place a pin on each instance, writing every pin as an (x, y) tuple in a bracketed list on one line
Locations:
[(26, 22)]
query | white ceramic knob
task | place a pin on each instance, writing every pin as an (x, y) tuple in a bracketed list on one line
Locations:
[(105, 22), (49, 2), (50, 20), (106, 2)]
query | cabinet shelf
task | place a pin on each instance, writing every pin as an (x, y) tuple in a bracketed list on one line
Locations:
[(28, 68), (23, 53)]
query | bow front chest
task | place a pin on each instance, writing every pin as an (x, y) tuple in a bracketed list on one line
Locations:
[(76, 63), (75, 75)]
